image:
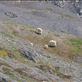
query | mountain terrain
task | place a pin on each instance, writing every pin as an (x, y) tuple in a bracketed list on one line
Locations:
[(23, 57)]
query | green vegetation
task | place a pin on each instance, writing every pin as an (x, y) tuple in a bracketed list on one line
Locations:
[(25, 76), (3, 52), (19, 57), (27, 33), (77, 44), (15, 73)]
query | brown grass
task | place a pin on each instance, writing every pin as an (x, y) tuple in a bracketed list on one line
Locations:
[(62, 49), (39, 39)]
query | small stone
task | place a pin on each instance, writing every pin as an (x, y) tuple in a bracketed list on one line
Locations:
[(80, 12), (31, 44), (45, 46)]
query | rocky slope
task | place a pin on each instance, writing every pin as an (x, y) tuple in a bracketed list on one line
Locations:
[(50, 17), (72, 5), (20, 61)]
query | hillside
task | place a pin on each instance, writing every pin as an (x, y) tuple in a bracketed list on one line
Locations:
[(23, 57)]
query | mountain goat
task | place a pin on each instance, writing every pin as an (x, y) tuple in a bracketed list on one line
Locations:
[(39, 30), (31, 44), (52, 43)]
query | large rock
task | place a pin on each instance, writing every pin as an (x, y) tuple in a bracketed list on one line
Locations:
[(28, 54)]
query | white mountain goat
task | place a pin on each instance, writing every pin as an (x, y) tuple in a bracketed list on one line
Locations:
[(31, 44), (52, 43), (39, 30)]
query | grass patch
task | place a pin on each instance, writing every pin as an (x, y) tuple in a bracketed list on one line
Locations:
[(16, 29), (21, 58), (39, 39), (25, 76), (77, 45), (47, 67), (76, 42), (3, 52), (27, 33)]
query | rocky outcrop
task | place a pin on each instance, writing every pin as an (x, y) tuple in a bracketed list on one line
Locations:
[(72, 5)]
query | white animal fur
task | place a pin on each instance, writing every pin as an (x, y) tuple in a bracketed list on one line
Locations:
[(52, 43), (39, 30)]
